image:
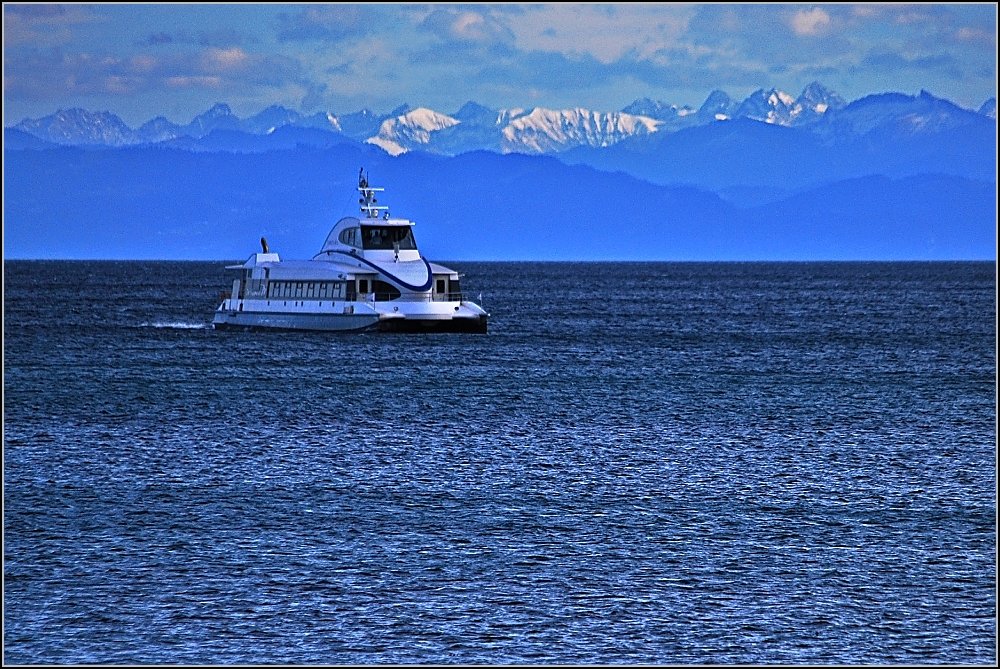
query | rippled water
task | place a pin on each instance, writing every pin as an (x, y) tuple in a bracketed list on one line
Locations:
[(640, 463)]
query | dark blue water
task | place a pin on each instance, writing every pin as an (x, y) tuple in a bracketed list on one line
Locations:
[(640, 463)]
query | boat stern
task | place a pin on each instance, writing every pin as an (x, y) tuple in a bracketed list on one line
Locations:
[(435, 317)]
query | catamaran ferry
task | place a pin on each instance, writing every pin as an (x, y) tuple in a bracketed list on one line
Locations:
[(369, 275)]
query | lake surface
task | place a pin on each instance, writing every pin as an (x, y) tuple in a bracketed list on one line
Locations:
[(721, 463)]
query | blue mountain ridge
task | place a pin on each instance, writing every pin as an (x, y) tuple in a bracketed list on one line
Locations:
[(161, 202)]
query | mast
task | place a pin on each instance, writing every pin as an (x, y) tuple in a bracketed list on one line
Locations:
[(369, 204)]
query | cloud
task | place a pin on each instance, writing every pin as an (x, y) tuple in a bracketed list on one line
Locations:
[(314, 97), (811, 22), (504, 55), (605, 32), (467, 26), (892, 61), (41, 25), (222, 38), (157, 39), (233, 59), (187, 81), (54, 74), (976, 36), (214, 38), (325, 22)]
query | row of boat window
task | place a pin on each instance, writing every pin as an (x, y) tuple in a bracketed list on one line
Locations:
[(317, 290)]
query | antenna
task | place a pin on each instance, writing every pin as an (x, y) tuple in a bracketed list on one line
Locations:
[(369, 205)]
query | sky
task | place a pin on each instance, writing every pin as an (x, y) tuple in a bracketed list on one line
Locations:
[(141, 61)]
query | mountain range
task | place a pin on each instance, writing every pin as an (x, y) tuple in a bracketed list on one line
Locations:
[(474, 127), (774, 176)]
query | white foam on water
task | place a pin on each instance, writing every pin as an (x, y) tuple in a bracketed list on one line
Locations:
[(177, 325)]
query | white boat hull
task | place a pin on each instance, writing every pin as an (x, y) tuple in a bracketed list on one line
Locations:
[(358, 317)]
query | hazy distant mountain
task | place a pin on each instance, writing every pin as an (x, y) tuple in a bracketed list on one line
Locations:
[(989, 108), (159, 129), (896, 115), (718, 106), (661, 111), (16, 140), (478, 128), (672, 116), (476, 114), (78, 126), (270, 119), (219, 117), (78, 203), (363, 124), (321, 121)]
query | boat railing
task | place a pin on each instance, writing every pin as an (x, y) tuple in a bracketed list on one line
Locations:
[(421, 297), (355, 297)]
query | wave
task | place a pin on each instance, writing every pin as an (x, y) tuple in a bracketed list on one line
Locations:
[(177, 325)]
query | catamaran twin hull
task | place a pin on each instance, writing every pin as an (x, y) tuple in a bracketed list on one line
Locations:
[(356, 322)]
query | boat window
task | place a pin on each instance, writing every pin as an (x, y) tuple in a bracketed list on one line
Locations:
[(384, 291), (387, 237), (298, 289), (349, 236), (440, 285)]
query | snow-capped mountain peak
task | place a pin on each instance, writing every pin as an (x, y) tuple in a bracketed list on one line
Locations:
[(552, 130), (410, 130), (718, 106), (773, 106), (780, 96), (815, 101)]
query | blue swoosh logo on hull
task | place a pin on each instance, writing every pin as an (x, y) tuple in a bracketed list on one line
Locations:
[(381, 270)]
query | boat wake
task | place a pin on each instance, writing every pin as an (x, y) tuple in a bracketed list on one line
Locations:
[(177, 325)]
